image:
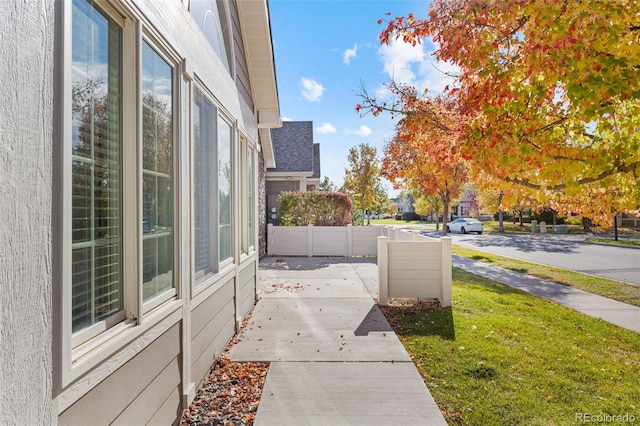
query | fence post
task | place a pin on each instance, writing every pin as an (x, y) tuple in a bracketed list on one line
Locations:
[(269, 238), (383, 270), (446, 272), (310, 240), (349, 240)]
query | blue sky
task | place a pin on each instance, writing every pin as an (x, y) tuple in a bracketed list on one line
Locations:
[(323, 50)]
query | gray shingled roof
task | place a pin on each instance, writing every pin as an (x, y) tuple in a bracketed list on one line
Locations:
[(293, 146)]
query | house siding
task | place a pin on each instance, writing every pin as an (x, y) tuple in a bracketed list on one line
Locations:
[(154, 370), (136, 390), (26, 120)]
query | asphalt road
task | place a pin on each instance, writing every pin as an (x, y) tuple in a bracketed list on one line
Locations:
[(563, 251)]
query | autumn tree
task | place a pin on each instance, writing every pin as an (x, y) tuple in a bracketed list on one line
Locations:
[(552, 90), (362, 178), (423, 156)]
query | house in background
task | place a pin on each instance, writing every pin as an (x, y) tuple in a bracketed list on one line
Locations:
[(133, 137), (405, 204), (297, 163)]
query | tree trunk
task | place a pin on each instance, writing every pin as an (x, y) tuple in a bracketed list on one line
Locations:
[(445, 214), (500, 221)]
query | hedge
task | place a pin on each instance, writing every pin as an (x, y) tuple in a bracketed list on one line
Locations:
[(319, 208)]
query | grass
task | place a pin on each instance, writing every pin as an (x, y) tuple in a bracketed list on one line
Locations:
[(633, 243), (501, 356), (394, 222), (616, 290)]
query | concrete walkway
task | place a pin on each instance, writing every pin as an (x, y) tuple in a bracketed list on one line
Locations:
[(334, 358), (615, 312)]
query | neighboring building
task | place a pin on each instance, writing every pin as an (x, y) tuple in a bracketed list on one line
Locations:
[(297, 163), (132, 136), (405, 204)]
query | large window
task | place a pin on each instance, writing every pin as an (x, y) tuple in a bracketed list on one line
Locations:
[(157, 172), (122, 206), (96, 192), (212, 187), (247, 197), (251, 199), (211, 16), (225, 173), (204, 192)]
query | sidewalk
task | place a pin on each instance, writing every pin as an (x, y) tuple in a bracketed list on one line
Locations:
[(615, 312), (334, 358)]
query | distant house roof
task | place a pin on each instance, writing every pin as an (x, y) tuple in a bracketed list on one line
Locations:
[(294, 147)]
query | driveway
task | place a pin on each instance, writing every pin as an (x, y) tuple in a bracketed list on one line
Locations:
[(563, 251)]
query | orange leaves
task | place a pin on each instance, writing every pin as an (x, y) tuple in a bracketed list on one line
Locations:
[(543, 93)]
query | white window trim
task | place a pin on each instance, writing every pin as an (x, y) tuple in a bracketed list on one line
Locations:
[(200, 281), (160, 48), (202, 284)]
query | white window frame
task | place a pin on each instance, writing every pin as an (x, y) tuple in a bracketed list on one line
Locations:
[(78, 353), (203, 283), (233, 133), (247, 154), (173, 61), (199, 280)]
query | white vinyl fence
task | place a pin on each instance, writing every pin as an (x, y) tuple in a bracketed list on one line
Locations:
[(413, 266), (410, 265), (347, 241)]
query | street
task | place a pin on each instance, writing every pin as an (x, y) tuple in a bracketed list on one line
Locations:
[(563, 251)]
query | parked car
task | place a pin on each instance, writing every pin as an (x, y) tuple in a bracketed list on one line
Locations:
[(464, 225)]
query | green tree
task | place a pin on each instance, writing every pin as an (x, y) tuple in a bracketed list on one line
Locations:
[(362, 178), (327, 185)]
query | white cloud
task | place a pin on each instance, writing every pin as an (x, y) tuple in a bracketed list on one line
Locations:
[(415, 65), (362, 131), (325, 128), (311, 89), (398, 58), (349, 53), (285, 118)]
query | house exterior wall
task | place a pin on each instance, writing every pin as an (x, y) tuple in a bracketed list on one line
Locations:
[(26, 120), (147, 372)]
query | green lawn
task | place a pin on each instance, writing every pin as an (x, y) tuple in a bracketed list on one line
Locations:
[(616, 290), (503, 357), (621, 242)]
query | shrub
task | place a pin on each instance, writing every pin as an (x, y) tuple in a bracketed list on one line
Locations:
[(319, 208), (409, 216)]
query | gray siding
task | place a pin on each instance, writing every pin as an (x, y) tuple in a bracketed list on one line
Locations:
[(26, 122), (136, 390), (241, 68), (247, 288), (212, 326)]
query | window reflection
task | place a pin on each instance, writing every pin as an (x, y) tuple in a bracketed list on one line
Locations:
[(95, 167), (224, 189), (211, 17), (157, 174)]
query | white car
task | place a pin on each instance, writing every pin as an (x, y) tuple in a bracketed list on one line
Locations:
[(464, 225)]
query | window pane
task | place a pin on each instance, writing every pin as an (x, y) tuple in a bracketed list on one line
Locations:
[(211, 17), (157, 174), (204, 193), (96, 176), (224, 189), (250, 198)]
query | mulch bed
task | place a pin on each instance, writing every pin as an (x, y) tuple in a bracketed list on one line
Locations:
[(230, 394)]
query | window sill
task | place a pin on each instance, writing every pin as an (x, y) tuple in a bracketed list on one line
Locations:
[(98, 358)]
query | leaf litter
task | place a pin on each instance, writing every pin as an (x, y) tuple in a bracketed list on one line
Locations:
[(230, 394)]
